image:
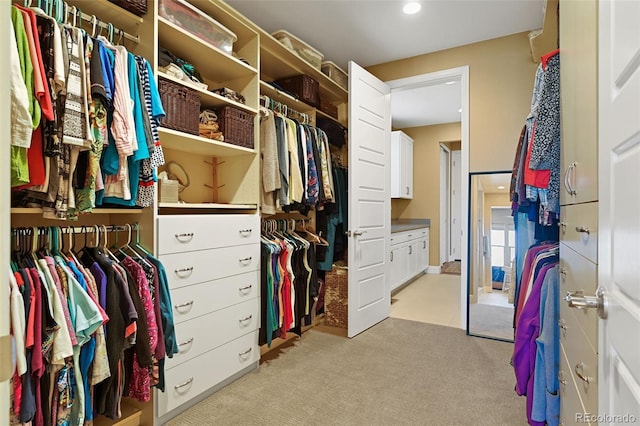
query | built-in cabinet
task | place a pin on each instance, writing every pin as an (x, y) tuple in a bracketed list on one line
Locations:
[(401, 165), (579, 208), (409, 255)]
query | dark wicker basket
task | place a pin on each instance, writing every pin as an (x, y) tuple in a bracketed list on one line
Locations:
[(181, 105), (303, 87), (137, 7), (236, 125)]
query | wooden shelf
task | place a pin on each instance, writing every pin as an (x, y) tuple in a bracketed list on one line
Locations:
[(38, 210), (180, 141), (211, 62), (106, 11), (283, 97), (205, 206), (324, 114), (208, 99), (131, 416)]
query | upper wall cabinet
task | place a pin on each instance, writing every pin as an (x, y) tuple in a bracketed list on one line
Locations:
[(401, 165)]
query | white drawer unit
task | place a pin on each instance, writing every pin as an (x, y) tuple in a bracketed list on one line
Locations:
[(577, 274), (189, 268), (196, 300), (181, 233), (207, 332), (191, 378), (571, 408), (579, 229)]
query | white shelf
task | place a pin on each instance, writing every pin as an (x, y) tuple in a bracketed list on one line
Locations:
[(210, 61), (110, 12), (180, 141), (212, 206), (208, 99)]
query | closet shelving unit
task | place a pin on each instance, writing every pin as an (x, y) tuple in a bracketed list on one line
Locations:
[(223, 175)]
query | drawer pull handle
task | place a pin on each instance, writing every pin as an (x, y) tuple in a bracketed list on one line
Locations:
[(245, 290), (580, 373), (563, 272), (245, 232), (583, 230), (391, 257), (561, 378), (185, 343), (181, 385), (424, 244), (185, 237), (245, 353), (246, 260), (184, 272), (245, 319), (563, 225), (563, 326), (184, 305)]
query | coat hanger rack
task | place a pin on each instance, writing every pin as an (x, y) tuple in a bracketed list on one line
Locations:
[(285, 110)]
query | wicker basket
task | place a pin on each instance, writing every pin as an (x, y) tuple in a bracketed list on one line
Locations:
[(181, 105), (137, 7), (303, 87), (236, 126), (336, 307)]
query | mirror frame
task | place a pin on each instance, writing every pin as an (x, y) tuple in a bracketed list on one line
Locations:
[(469, 235)]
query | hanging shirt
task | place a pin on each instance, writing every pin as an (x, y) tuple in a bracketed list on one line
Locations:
[(270, 179)]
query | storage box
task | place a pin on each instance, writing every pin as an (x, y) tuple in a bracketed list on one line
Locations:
[(137, 7), (169, 190), (236, 126), (303, 87), (181, 105), (336, 74), (336, 302), (300, 48), (328, 108), (198, 23)]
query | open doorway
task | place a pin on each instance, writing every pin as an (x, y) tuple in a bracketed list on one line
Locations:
[(419, 207)]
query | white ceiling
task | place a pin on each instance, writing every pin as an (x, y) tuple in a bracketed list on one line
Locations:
[(371, 32)]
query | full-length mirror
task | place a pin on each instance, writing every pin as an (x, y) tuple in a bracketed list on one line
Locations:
[(491, 254)]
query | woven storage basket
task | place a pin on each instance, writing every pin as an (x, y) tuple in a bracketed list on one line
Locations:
[(336, 310), (137, 7), (305, 88), (181, 105), (236, 126)]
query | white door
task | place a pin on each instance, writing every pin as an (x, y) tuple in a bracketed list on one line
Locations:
[(619, 209), (406, 151), (455, 252), (369, 199)]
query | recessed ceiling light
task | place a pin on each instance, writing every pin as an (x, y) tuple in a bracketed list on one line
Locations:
[(501, 187), (451, 82), (411, 8), (460, 110)]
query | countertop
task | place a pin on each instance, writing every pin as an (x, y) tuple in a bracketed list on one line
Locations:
[(400, 225)]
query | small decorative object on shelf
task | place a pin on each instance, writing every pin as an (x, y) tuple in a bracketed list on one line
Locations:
[(230, 94), (137, 7), (236, 125)]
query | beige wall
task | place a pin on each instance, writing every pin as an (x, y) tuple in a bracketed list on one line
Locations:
[(426, 180), (501, 74)]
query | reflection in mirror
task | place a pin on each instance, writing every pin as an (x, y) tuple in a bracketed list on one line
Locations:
[(491, 253)]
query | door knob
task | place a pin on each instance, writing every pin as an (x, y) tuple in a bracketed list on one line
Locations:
[(599, 301), (358, 233)]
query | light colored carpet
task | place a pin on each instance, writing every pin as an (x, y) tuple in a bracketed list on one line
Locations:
[(491, 321), (454, 267), (398, 372)]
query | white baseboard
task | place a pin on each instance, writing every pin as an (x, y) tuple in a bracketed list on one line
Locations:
[(431, 269)]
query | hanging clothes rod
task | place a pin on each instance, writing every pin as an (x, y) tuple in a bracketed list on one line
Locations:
[(61, 11), (283, 109), (87, 229)]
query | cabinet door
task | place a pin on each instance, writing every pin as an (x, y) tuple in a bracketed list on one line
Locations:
[(406, 152), (423, 248), (396, 267), (396, 167), (414, 258)]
